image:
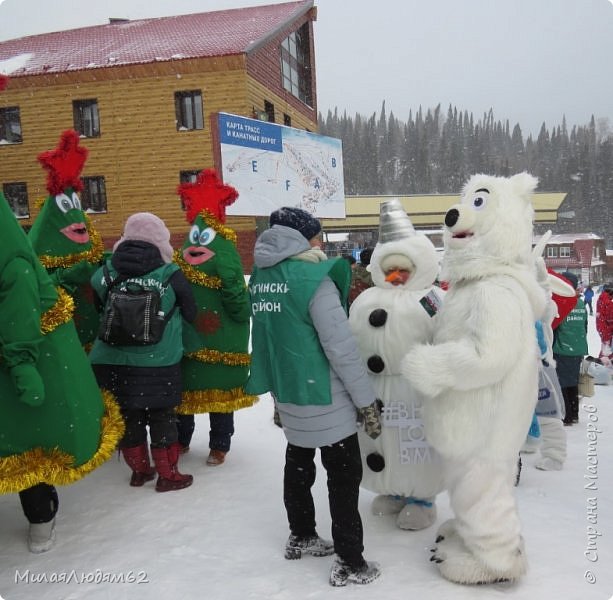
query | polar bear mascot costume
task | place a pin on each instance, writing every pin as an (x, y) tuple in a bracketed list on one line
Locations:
[(479, 377), (387, 321)]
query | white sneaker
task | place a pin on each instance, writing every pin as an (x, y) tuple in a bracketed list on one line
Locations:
[(417, 515), (548, 464), (41, 536), (384, 504)]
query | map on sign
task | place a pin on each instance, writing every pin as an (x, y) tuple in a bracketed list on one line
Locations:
[(272, 166)]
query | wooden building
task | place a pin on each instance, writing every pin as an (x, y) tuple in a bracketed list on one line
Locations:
[(583, 254), (144, 96), (428, 210)]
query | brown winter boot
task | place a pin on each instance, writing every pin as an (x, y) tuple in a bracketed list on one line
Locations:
[(169, 479), (137, 459)]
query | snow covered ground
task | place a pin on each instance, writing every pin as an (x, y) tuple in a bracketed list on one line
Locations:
[(223, 538)]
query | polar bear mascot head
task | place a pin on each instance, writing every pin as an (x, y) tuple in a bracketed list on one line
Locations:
[(490, 228)]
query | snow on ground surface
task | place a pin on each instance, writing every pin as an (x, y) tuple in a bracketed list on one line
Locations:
[(223, 538)]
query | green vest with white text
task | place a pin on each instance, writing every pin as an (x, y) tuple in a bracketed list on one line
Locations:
[(287, 357)]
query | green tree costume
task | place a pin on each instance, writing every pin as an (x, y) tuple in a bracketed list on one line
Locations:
[(216, 362), (62, 235), (53, 424)]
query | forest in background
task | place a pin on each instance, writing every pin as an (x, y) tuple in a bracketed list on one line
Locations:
[(435, 153)]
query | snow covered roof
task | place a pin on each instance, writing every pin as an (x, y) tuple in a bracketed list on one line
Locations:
[(568, 238), (124, 42)]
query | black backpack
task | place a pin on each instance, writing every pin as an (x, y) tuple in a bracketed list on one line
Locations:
[(132, 317)]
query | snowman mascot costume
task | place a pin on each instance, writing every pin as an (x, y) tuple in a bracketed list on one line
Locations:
[(387, 321), (479, 377)]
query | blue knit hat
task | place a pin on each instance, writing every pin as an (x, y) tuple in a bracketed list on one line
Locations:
[(297, 219)]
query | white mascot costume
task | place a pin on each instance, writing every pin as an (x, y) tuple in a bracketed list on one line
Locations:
[(479, 377), (387, 321)]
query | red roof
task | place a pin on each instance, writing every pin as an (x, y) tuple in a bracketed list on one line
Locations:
[(200, 35)]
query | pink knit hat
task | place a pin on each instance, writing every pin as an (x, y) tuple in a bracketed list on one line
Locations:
[(148, 227)]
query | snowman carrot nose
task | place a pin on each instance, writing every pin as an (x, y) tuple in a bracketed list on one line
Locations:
[(393, 276)]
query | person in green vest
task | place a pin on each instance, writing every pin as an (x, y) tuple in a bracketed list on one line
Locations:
[(146, 379), (55, 424), (569, 348), (216, 361), (63, 236), (303, 352)]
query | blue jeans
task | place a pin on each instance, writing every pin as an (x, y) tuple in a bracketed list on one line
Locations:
[(222, 429)]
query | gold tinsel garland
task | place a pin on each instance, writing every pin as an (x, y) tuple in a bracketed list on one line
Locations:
[(195, 276), (232, 359), (218, 226), (55, 467), (59, 314), (93, 255), (224, 401)]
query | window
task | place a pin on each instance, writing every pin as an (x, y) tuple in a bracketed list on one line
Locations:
[(188, 110), (269, 109), (188, 176), (564, 251), (296, 64), (596, 253), (93, 196), (287, 120), (16, 195), (552, 252), (10, 125), (86, 118)]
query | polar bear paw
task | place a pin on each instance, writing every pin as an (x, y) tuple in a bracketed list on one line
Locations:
[(458, 564), (419, 368)]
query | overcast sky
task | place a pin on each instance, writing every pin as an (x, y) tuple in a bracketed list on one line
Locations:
[(531, 61)]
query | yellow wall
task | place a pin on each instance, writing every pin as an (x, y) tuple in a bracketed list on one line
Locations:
[(139, 152)]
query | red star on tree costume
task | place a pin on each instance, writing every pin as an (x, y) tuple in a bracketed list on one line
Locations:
[(64, 164), (207, 193)]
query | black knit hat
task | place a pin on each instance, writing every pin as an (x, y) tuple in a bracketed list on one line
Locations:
[(572, 278), (297, 219)]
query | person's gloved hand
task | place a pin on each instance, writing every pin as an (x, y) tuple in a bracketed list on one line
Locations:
[(72, 277), (370, 417), (28, 383)]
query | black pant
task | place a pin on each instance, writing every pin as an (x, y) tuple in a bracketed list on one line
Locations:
[(39, 503), (162, 426), (571, 403), (344, 470)]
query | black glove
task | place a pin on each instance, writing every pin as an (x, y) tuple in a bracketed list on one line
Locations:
[(370, 417)]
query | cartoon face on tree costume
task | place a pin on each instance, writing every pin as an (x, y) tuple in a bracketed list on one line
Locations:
[(216, 362), (62, 235)]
